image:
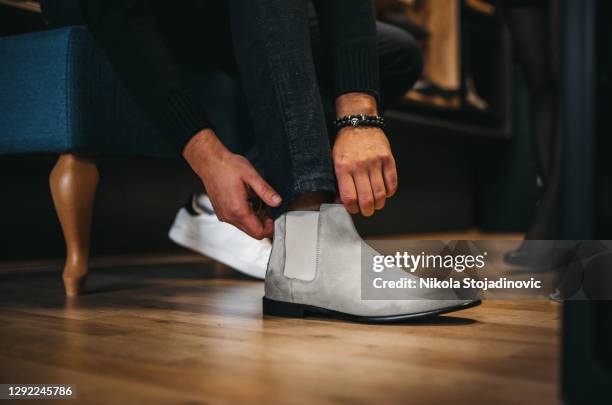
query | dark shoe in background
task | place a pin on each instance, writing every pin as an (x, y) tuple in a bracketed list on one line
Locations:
[(427, 92)]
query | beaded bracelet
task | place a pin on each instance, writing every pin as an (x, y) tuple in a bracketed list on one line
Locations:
[(359, 120)]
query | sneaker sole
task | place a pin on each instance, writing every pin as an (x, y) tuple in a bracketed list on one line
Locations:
[(181, 236), (293, 310)]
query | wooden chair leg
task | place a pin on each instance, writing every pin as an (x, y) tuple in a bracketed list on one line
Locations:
[(73, 182)]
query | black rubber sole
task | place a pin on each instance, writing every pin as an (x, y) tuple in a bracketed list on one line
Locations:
[(292, 310)]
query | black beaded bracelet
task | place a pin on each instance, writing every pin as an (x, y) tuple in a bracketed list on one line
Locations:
[(359, 120)]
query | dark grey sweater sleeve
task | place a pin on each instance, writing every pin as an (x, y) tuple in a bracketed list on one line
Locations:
[(348, 29), (127, 31)]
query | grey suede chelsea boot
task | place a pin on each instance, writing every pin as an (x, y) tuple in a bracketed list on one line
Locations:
[(315, 268)]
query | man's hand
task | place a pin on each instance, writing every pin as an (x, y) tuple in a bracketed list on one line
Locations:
[(364, 164), (228, 178)]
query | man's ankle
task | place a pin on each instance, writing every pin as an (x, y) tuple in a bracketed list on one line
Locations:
[(310, 201)]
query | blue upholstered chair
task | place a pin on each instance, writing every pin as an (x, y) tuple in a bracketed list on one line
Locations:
[(59, 95)]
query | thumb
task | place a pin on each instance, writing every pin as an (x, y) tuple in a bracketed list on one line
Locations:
[(263, 190)]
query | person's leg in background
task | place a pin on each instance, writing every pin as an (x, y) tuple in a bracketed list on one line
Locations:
[(315, 265), (534, 28)]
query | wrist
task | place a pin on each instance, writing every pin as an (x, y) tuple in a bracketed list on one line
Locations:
[(351, 131), (355, 103), (359, 120), (200, 147)]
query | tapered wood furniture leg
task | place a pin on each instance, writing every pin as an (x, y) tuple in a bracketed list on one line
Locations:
[(73, 182)]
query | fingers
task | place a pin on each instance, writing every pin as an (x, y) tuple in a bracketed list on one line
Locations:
[(228, 182), (268, 228), (348, 193), (364, 193), (365, 189), (378, 187), (243, 218), (263, 189), (239, 213), (250, 224), (390, 176)]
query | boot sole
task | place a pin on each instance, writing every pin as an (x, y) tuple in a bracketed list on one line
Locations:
[(293, 310)]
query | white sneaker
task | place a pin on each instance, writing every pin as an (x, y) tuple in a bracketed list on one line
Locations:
[(197, 227)]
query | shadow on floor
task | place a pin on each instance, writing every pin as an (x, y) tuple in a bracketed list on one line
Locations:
[(44, 289)]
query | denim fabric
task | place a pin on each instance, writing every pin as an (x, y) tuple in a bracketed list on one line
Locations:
[(282, 91)]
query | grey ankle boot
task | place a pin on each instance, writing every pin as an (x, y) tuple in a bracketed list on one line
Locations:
[(315, 268)]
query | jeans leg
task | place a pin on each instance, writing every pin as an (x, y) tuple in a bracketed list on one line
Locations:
[(274, 55)]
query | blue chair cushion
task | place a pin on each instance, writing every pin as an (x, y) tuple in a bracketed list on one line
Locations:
[(58, 93)]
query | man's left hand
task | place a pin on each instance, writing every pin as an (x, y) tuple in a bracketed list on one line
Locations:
[(364, 164), (365, 169)]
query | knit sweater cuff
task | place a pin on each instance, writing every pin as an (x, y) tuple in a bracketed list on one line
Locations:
[(355, 66), (182, 116)]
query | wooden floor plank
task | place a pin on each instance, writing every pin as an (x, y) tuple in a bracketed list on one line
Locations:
[(187, 333)]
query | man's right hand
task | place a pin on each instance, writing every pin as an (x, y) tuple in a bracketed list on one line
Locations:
[(228, 178)]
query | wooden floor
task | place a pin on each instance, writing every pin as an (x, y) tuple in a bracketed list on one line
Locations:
[(191, 333)]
